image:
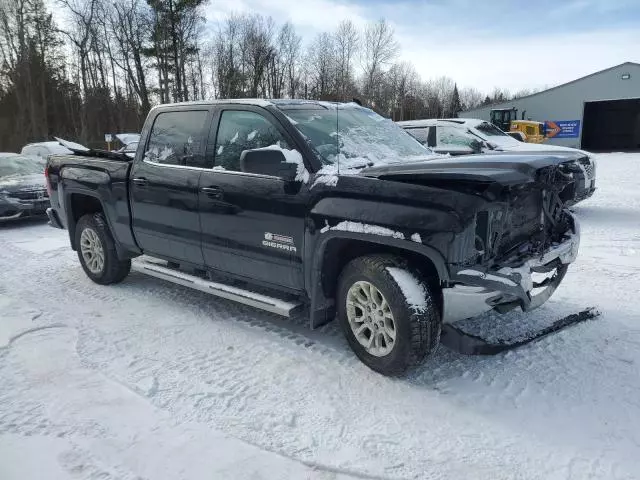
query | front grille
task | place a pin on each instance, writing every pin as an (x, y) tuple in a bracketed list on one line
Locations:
[(40, 194)]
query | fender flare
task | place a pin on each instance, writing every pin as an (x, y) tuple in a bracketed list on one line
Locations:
[(322, 308), (71, 222)]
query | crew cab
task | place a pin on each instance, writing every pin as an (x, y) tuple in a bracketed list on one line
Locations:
[(324, 207)]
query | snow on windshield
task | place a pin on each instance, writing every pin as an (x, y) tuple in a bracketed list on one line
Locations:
[(353, 136), (494, 134)]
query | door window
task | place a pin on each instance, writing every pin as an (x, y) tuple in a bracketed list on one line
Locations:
[(243, 130), (420, 134), (176, 139), (453, 136)]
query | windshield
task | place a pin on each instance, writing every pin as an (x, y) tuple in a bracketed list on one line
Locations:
[(490, 130), (17, 166), (362, 137)]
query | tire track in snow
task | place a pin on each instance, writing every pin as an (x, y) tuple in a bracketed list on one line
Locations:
[(275, 379)]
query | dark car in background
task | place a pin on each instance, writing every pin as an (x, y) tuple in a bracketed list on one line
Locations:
[(22, 187)]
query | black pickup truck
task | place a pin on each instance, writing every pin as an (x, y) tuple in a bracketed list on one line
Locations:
[(290, 203)]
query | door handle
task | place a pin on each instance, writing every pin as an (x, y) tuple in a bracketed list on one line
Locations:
[(212, 192), (139, 181)]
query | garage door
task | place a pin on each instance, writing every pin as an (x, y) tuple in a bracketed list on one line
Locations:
[(611, 125)]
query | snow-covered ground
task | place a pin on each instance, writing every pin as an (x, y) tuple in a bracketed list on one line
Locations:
[(145, 380)]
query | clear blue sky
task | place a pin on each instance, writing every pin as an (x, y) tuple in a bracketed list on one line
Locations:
[(508, 43)]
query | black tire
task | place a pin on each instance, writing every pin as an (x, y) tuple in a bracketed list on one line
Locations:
[(417, 329), (114, 270)]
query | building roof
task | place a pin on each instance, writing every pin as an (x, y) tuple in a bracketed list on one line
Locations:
[(554, 88)]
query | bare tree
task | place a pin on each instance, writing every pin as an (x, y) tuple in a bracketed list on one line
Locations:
[(403, 84), (81, 18), (346, 44), (287, 62), (470, 97), (379, 49), (321, 64), (130, 24)]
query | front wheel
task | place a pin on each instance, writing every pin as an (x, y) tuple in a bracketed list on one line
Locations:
[(97, 251), (387, 313)]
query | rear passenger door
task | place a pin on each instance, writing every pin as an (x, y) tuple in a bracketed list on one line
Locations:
[(164, 185), (252, 224)]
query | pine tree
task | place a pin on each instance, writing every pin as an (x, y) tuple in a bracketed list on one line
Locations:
[(456, 106)]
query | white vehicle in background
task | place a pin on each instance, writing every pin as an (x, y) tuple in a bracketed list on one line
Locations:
[(129, 142), (459, 136), (44, 149)]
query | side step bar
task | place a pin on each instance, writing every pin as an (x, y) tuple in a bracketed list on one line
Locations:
[(246, 297)]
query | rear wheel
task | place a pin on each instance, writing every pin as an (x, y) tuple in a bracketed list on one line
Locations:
[(387, 313), (97, 251)]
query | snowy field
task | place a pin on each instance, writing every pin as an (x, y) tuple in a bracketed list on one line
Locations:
[(145, 380)]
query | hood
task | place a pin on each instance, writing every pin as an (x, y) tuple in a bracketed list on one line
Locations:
[(540, 147), (25, 182), (505, 169)]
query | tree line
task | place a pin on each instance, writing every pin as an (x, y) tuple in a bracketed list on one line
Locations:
[(111, 61)]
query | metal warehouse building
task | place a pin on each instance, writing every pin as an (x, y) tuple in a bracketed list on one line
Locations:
[(598, 112)]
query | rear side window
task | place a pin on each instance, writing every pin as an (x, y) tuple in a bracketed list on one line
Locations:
[(243, 130), (420, 134), (176, 139)]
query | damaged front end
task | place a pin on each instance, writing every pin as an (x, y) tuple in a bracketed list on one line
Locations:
[(516, 252)]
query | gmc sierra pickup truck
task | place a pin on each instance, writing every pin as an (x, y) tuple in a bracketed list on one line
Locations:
[(291, 204)]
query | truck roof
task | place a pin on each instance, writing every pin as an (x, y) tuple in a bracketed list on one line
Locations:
[(261, 102)]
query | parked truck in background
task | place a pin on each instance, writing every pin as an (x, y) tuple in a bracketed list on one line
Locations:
[(289, 203)]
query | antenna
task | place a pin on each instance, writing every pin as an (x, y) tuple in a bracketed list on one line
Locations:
[(337, 137)]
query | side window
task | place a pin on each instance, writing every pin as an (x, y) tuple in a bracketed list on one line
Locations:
[(420, 134), (242, 130), (176, 139), (452, 136)]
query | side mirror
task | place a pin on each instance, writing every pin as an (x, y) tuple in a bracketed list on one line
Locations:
[(268, 162), (475, 146)]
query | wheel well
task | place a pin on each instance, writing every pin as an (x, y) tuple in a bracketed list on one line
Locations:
[(339, 252), (79, 206)]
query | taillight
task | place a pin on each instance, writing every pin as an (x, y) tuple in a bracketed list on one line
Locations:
[(46, 180)]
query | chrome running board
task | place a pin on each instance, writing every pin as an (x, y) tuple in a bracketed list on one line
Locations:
[(246, 297)]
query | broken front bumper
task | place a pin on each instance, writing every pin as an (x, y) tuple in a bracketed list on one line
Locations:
[(475, 291)]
